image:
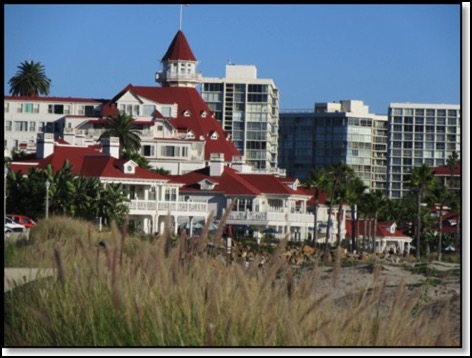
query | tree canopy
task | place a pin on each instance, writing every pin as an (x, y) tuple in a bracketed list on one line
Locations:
[(30, 80)]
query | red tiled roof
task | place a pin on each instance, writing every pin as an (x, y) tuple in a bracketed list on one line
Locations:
[(75, 155), (232, 182), (22, 166), (187, 98), (382, 231), (109, 167), (179, 49), (445, 171), (268, 184), (229, 182), (86, 161), (54, 99), (311, 202)]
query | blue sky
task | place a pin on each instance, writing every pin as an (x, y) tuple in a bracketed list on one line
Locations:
[(314, 53)]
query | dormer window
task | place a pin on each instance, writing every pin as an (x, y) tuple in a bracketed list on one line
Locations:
[(187, 113), (203, 114), (190, 135), (214, 135), (206, 184), (129, 167)]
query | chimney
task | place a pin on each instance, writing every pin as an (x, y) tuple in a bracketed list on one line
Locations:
[(217, 164), (45, 145), (111, 147), (239, 164), (79, 138), (69, 135)]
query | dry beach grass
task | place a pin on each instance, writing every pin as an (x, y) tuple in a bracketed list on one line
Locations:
[(113, 289)]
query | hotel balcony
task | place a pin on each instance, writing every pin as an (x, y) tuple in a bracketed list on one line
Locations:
[(270, 217), (140, 207)]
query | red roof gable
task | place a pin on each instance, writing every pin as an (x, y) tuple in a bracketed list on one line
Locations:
[(229, 182), (109, 167), (179, 49), (232, 182), (86, 161), (381, 230), (187, 98), (268, 184), (75, 155)]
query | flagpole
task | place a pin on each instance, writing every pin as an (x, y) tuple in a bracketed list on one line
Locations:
[(180, 23)]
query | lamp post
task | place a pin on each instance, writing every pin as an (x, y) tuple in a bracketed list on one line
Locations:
[(5, 172), (47, 198)]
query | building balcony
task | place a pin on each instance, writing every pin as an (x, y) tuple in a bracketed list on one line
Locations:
[(163, 207), (173, 77), (268, 217)]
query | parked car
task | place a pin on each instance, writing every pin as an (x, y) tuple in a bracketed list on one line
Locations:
[(22, 220), (12, 226)]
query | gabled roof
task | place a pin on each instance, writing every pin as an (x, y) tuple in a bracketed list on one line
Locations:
[(381, 231), (229, 182), (187, 98), (87, 161), (109, 167), (179, 49), (268, 184), (74, 154)]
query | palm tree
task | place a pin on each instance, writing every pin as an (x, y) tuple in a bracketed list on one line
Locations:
[(439, 195), (452, 163), (317, 182), (420, 182), (123, 127), (30, 80), (376, 202), (342, 174), (355, 190)]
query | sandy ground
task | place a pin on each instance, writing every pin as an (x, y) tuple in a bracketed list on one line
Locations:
[(18, 276), (441, 292)]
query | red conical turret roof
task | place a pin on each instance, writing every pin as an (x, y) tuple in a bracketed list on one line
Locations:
[(179, 49)]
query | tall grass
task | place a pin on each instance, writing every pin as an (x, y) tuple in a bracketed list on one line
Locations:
[(115, 290)]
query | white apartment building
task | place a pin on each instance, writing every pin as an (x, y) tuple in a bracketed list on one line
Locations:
[(25, 117), (335, 131), (248, 109), (419, 133)]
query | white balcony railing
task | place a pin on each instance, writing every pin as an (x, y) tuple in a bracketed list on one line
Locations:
[(167, 76), (166, 206), (182, 206), (250, 217)]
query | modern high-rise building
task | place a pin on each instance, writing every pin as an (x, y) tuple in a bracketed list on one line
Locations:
[(417, 134), (333, 132), (248, 109)]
